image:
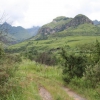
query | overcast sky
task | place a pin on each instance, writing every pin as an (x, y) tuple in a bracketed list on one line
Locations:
[(28, 13)]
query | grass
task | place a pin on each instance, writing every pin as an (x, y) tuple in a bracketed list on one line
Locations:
[(48, 77), (31, 76), (59, 21), (53, 43), (89, 93)]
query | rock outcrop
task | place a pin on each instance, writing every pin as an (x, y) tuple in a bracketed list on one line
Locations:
[(77, 20), (65, 23)]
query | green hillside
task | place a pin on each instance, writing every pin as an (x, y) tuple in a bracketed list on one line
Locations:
[(62, 23), (52, 43), (81, 30), (65, 53), (59, 21), (13, 34), (47, 51)]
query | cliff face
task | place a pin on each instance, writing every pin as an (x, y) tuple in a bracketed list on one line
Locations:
[(77, 20), (47, 30), (58, 24), (66, 23)]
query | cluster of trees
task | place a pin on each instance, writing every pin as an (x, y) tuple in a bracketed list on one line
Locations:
[(40, 57)]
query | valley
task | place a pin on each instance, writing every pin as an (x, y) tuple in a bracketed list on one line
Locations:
[(58, 61)]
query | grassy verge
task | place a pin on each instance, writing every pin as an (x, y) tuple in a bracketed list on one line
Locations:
[(31, 76), (88, 92)]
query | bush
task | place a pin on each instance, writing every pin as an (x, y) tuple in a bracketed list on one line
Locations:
[(45, 58), (74, 65), (92, 73), (7, 71), (96, 52)]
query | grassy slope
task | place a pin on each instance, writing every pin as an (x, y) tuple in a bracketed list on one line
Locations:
[(32, 76), (59, 22), (53, 43), (48, 77), (81, 30)]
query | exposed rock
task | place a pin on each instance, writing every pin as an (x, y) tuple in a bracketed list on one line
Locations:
[(55, 26), (77, 20)]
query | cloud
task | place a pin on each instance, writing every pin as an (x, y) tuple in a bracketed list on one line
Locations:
[(27, 13)]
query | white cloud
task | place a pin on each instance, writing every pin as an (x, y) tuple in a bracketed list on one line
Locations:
[(27, 13)]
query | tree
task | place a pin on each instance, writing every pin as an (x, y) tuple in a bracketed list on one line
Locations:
[(74, 65), (96, 54)]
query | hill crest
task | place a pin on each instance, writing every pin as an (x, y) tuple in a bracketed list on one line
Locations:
[(62, 23)]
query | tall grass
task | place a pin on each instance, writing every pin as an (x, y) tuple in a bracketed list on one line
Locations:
[(31, 76)]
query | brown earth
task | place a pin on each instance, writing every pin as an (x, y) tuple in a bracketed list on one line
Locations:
[(44, 94), (73, 94)]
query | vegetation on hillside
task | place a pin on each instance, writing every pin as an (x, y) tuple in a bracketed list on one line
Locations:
[(79, 62), (81, 30), (82, 71), (8, 67), (59, 21), (70, 57)]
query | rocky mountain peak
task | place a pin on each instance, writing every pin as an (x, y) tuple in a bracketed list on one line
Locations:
[(62, 23), (79, 19)]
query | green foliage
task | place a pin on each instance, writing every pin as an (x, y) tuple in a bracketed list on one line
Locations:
[(57, 22), (80, 30), (74, 65), (42, 37), (30, 54), (60, 18), (8, 67), (92, 74), (96, 52), (85, 88), (45, 58), (2, 53)]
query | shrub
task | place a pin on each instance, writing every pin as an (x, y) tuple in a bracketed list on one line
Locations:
[(92, 73), (45, 58), (74, 65), (96, 52), (7, 71)]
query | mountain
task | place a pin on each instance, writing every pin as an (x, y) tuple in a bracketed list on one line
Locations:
[(78, 20), (96, 22), (62, 23), (16, 33), (55, 26), (33, 31)]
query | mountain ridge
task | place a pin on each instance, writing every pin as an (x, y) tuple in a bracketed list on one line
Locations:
[(11, 34), (70, 22)]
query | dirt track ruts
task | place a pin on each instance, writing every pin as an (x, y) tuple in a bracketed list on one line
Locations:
[(73, 94), (44, 94)]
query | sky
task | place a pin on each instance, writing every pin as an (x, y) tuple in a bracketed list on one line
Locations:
[(29, 13)]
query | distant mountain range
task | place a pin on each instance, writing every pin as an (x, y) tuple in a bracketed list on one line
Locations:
[(33, 31), (16, 34), (96, 22), (60, 27)]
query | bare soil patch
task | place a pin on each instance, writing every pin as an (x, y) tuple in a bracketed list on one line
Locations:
[(44, 94), (73, 94)]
